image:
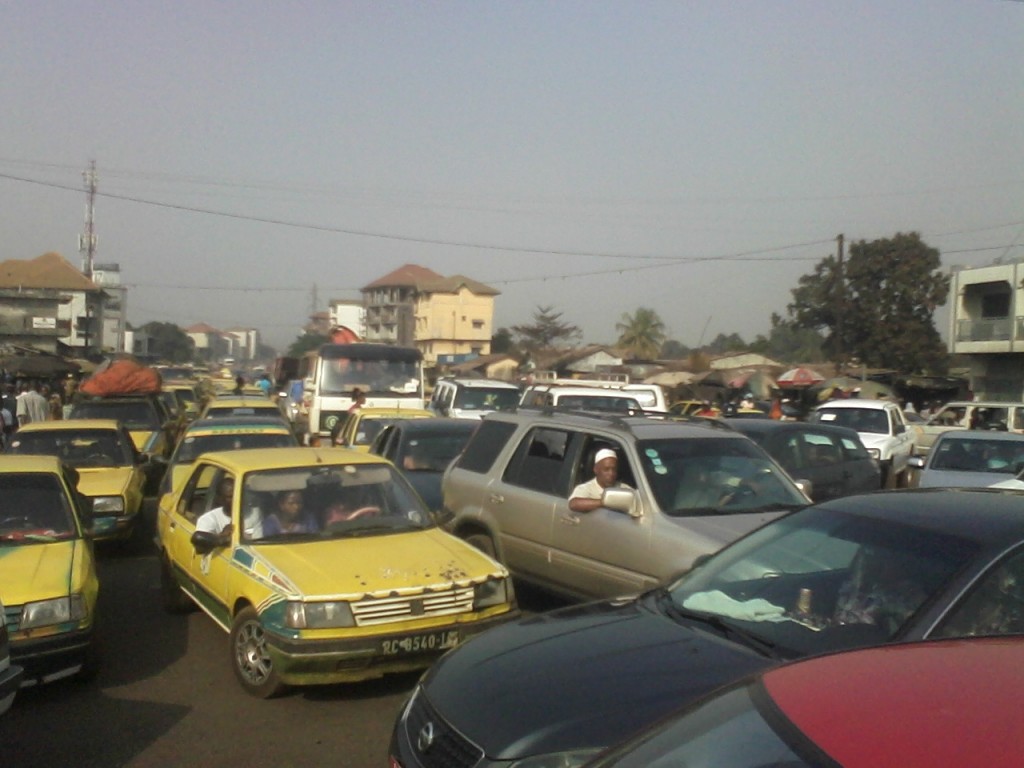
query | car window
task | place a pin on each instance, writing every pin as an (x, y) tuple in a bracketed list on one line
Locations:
[(197, 496), (485, 445), (585, 464), (821, 450), (995, 606), (34, 508), (539, 460), (853, 449), (192, 447)]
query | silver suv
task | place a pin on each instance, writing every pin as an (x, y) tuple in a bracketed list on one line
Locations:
[(695, 485)]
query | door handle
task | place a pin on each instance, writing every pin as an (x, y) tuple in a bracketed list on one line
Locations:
[(172, 525), (497, 498), (569, 520)]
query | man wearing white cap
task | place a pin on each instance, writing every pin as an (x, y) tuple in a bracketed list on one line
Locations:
[(586, 497)]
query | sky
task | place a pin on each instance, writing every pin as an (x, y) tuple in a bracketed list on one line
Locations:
[(257, 159)]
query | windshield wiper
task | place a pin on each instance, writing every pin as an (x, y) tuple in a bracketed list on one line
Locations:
[(675, 610)]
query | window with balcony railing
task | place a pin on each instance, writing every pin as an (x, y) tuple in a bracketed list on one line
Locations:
[(986, 329)]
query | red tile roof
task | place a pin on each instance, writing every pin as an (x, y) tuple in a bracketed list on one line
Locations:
[(406, 276), (51, 270)]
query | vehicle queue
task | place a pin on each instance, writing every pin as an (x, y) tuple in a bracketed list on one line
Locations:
[(291, 611)]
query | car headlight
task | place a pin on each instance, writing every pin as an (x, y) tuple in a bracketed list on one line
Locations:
[(59, 610), (319, 615), (570, 759), (492, 592), (874, 453), (105, 505)]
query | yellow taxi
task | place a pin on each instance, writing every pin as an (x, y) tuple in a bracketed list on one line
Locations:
[(241, 405), (109, 469), (48, 582), (323, 565), (186, 396), (229, 433), (358, 428)]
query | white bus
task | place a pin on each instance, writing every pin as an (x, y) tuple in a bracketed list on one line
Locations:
[(389, 377)]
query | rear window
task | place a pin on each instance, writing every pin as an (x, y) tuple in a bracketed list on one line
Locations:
[(485, 445)]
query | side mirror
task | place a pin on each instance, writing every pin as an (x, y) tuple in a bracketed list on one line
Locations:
[(917, 462), (622, 500), (899, 429), (205, 542), (806, 486)]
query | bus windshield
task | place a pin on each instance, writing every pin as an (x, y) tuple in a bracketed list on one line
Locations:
[(395, 378)]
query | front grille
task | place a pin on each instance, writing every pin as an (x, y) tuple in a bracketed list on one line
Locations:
[(386, 610), (447, 749), (12, 617)]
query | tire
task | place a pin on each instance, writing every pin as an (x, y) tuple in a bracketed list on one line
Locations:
[(484, 543), (887, 475), (172, 596), (250, 659)]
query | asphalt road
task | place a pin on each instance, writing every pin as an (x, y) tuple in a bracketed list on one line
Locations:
[(166, 696)]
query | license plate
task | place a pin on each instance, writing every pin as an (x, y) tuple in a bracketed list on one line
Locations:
[(433, 641)]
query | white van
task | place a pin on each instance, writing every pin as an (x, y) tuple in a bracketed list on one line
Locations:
[(650, 397), (472, 398), (581, 399)]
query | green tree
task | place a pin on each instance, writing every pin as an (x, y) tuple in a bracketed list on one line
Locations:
[(881, 307), (788, 341), (168, 342), (723, 343), (641, 333), (501, 342), (674, 350), (547, 330), (305, 343)]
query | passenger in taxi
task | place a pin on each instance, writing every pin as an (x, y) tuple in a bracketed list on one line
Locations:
[(217, 520), (290, 516)]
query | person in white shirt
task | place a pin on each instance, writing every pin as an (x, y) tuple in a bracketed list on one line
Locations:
[(218, 519), (586, 497)]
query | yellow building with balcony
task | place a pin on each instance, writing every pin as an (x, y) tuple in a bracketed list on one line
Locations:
[(449, 319)]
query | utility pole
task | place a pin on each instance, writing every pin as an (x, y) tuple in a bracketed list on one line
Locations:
[(840, 304), (87, 244)]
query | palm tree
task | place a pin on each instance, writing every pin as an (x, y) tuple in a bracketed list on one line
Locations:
[(642, 334)]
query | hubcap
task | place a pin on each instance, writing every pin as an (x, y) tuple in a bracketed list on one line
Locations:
[(251, 654)]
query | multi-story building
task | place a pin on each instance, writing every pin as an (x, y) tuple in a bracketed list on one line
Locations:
[(349, 313), (986, 328), (115, 314), (446, 318), (48, 304)]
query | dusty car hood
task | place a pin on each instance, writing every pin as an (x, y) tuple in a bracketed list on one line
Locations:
[(724, 529), (582, 676), (949, 478), (107, 481), (31, 572), (340, 567)]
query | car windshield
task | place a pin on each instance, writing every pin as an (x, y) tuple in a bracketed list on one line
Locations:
[(392, 377), (486, 399), (715, 476), (192, 446), (134, 415), (727, 730), (978, 454), (858, 419), (88, 448), (331, 501), (820, 580), (33, 508), (605, 403)]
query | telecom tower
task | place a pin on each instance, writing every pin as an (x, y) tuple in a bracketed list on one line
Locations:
[(87, 240)]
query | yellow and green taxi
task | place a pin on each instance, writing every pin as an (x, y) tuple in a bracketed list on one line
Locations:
[(48, 582), (229, 433), (109, 469), (332, 569), (186, 398), (241, 405), (358, 428)]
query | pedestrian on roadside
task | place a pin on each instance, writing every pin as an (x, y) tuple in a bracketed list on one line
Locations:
[(32, 406)]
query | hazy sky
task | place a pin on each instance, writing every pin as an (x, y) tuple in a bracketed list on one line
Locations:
[(691, 157)]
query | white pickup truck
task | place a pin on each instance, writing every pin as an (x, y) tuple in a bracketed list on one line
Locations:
[(966, 414), (881, 427)]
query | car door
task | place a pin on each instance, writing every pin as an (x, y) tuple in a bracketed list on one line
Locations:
[(522, 498), (602, 553), (210, 572), (825, 465), (177, 523), (904, 439)]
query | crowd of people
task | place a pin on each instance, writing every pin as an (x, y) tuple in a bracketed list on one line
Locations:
[(26, 401)]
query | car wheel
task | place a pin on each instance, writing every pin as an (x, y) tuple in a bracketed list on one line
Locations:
[(172, 596), (250, 657), (484, 543)]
